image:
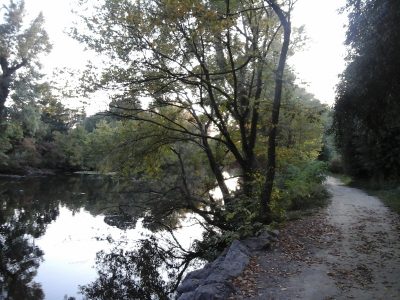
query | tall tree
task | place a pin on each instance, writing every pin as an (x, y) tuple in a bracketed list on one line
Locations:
[(20, 47), (207, 69), (366, 119), (271, 163)]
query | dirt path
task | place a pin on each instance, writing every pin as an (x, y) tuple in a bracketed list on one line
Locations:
[(351, 250)]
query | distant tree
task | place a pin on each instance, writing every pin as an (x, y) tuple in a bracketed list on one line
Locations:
[(28, 136), (20, 47), (54, 113), (367, 108)]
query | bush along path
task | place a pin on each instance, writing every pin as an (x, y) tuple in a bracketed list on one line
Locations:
[(350, 250)]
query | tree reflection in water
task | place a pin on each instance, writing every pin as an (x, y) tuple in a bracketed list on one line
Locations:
[(22, 219), (135, 274), (152, 270)]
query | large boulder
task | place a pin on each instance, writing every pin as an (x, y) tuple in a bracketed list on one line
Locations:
[(213, 281)]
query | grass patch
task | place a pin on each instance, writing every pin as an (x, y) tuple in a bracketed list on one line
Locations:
[(345, 179), (390, 197), (388, 193)]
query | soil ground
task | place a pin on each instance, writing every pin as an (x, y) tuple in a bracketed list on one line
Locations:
[(349, 250)]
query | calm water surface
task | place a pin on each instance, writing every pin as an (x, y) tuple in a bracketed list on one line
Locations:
[(51, 229)]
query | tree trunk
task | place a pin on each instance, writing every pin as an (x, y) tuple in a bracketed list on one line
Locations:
[(5, 81), (4, 91), (265, 198), (217, 172)]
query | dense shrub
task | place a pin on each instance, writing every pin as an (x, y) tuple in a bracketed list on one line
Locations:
[(302, 185)]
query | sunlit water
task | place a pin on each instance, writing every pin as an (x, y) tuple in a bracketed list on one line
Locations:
[(64, 218)]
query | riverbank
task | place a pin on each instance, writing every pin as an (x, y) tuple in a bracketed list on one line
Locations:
[(28, 171)]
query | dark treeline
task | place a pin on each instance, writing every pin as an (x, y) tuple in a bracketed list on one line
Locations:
[(366, 113)]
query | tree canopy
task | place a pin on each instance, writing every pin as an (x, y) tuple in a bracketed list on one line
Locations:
[(197, 73), (20, 47)]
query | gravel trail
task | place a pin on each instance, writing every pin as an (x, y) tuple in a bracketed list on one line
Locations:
[(350, 250)]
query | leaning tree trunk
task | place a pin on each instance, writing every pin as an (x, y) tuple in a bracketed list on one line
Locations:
[(265, 198)]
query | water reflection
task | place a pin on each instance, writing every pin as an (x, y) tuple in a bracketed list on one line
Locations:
[(23, 218), (47, 226)]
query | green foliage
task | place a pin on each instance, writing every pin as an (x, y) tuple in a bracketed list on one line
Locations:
[(302, 186), (279, 205), (301, 128), (99, 143), (27, 138), (366, 121), (54, 113), (29, 118), (329, 152), (243, 215), (11, 133), (22, 42), (345, 179), (72, 147), (303, 116), (213, 243)]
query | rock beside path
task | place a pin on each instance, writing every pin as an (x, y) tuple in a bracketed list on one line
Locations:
[(213, 281)]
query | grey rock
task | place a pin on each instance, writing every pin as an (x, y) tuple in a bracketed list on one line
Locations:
[(217, 277), (201, 273), (274, 233), (187, 296), (265, 236), (237, 246), (236, 259), (188, 285), (214, 291), (212, 282), (258, 243)]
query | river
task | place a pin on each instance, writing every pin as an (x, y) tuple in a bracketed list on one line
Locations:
[(53, 228)]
